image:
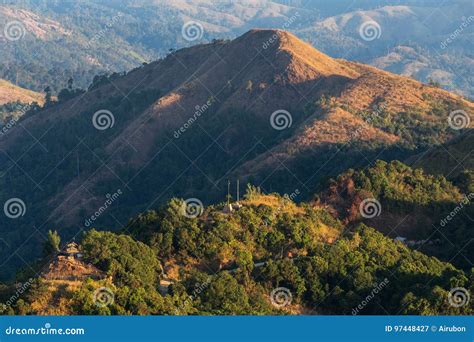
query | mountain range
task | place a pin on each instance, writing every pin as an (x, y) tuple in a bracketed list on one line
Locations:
[(266, 108), (426, 40)]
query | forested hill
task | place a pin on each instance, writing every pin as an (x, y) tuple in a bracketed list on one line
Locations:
[(267, 256)]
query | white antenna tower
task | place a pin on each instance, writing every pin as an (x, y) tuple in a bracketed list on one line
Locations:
[(238, 191)]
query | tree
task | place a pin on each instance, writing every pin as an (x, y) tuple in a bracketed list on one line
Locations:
[(128, 262), (52, 244), (225, 296), (48, 96)]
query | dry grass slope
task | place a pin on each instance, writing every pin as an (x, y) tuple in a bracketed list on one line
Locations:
[(12, 93)]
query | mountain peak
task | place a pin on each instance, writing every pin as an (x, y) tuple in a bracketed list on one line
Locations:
[(296, 56), (266, 33), (268, 39)]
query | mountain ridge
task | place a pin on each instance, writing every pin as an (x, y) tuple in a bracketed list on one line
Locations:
[(333, 105)]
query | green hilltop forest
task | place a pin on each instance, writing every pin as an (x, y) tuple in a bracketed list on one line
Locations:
[(222, 263), (414, 205)]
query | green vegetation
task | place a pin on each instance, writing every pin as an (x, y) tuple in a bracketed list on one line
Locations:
[(128, 262), (418, 127), (229, 264), (12, 111), (396, 182), (416, 200), (267, 226), (219, 262), (52, 244)]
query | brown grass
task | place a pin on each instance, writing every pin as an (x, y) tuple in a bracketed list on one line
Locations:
[(274, 201), (12, 93)]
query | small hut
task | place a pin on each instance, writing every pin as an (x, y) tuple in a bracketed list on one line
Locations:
[(71, 250), (68, 266)]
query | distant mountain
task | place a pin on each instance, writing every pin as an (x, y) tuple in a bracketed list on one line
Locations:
[(45, 44), (59, 41), (266, 107), (404, 40)]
